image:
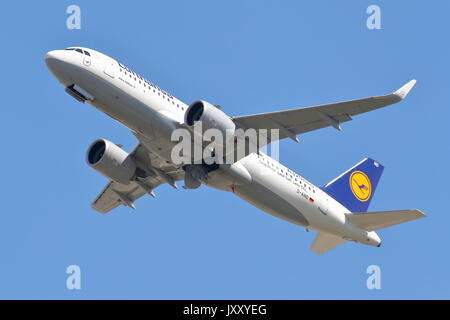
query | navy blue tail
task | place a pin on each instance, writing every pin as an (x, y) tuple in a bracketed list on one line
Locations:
[(355, 188)]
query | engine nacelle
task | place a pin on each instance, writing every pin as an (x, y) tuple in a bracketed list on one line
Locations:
[(210, 117), (111, 161)]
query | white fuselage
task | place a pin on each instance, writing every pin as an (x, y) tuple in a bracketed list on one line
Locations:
[(151, 112)]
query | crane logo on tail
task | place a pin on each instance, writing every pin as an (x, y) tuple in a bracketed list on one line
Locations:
[(360, 185)]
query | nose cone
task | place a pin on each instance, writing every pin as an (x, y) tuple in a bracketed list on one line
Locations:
[(59, 64), (53, 59), (51, 55)]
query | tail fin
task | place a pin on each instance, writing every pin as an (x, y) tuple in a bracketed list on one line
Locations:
[(354, 188)]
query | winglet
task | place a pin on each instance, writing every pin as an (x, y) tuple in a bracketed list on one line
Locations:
[(403, 91)]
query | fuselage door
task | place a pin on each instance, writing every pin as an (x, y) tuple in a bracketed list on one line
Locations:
[(324, 205), (109, 68)]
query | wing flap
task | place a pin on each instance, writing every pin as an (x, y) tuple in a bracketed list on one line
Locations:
[(115, 194)]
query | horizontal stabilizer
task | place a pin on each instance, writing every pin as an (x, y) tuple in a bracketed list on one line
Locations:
[(325, 242), (371, 221)]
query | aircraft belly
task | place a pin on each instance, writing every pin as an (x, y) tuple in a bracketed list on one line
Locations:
[(269, 201)]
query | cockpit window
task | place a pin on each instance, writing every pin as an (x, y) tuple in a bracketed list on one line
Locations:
[(80, 51)]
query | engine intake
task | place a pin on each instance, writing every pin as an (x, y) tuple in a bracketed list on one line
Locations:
[(111, 161), (210, 117)]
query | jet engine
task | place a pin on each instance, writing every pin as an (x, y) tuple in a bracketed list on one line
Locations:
[(211, 117), (111, 161)]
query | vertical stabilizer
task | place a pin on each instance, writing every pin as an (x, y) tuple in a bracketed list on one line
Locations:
[(355, 188)]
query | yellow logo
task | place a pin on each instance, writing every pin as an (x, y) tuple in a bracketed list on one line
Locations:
[(360, 185)]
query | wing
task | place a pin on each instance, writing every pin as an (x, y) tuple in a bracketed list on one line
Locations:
[(324, 242), (296, 121), (115, 193)]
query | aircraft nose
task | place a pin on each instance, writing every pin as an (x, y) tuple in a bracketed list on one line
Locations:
[(52, 58), (59, 64)]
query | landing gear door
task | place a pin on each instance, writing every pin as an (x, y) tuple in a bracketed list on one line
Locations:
[(109, 69)]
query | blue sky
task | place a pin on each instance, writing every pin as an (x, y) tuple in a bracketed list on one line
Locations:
[(249, 57)]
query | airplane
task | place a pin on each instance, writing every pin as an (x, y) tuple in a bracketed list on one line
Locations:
[(338, 211)]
